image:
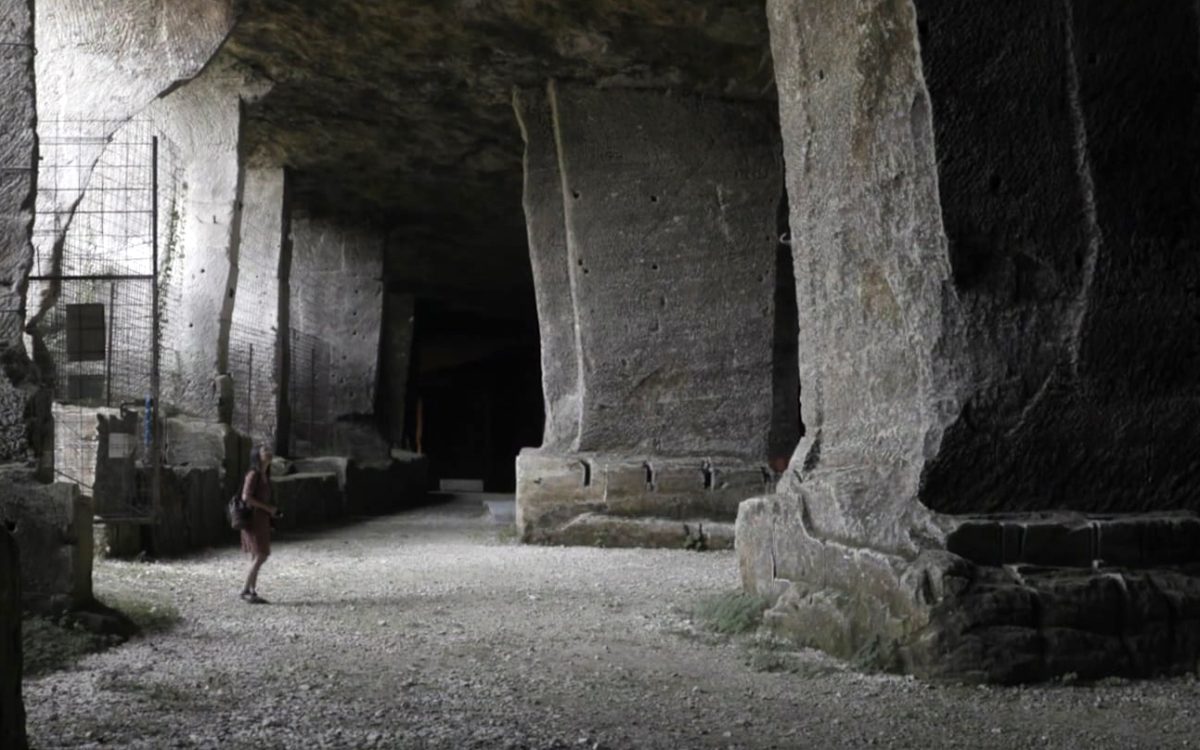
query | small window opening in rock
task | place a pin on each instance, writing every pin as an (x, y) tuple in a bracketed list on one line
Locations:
[(587, 473), (575, 194), (708, 476), (649, 475), (653, 266), (654, 199)]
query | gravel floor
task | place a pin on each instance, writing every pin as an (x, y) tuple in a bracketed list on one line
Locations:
[(429, 629)]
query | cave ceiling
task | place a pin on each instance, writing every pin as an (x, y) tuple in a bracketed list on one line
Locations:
[(399, 112)]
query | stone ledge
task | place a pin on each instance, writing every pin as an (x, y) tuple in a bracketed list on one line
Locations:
[(597, 530), (561, 498), (1077, 540)]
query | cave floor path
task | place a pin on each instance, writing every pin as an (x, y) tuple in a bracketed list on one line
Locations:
[(434, 628)]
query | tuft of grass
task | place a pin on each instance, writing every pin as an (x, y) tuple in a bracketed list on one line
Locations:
[(730, 613)]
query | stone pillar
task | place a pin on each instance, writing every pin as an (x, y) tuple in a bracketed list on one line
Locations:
[(254, 341), (399, 328), (551, 271), (12, 708), (18, 160), (655, 274), (336, 316), (988, 231), (203, 121)]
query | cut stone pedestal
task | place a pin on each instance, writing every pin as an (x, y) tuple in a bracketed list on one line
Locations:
[(627, 501), (1011, 599)]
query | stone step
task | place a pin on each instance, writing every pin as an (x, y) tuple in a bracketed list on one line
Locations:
[(1136, 540)]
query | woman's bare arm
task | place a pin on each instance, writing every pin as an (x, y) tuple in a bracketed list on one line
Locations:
[(251, 500)]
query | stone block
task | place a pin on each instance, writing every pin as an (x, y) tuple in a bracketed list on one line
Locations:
[(197, 442), (191, 513), (52, 525), (551, 489), (1171, 540), (12, 709), (980, 542), (1066, 543), (1120, 543), (374, 487), (306, 499)]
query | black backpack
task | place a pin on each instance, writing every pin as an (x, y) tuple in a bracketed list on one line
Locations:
[(239, 511)]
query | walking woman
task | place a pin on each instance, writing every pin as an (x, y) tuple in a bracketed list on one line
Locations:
[(256, 536)]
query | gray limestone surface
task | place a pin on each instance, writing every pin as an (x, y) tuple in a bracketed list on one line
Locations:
[(543, 205), (876, 304), (336, 299), (254, 341), (18, 157)]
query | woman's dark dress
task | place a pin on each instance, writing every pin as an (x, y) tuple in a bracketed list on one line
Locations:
[(256, 537)]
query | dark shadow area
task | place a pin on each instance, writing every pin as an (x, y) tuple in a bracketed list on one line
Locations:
[(786, 425), (475, 395)]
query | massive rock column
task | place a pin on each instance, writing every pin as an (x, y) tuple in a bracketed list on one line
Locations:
[(993, 228), (256, 335), (18, 159), (336, 318), (203, 121), (651, 221)]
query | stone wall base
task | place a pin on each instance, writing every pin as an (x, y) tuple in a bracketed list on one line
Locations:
[(633, 501), (944, 616), (310, 492)]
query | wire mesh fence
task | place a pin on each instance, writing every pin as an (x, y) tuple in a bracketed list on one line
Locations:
[(253, 371), (309, 394), (94, 313)]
